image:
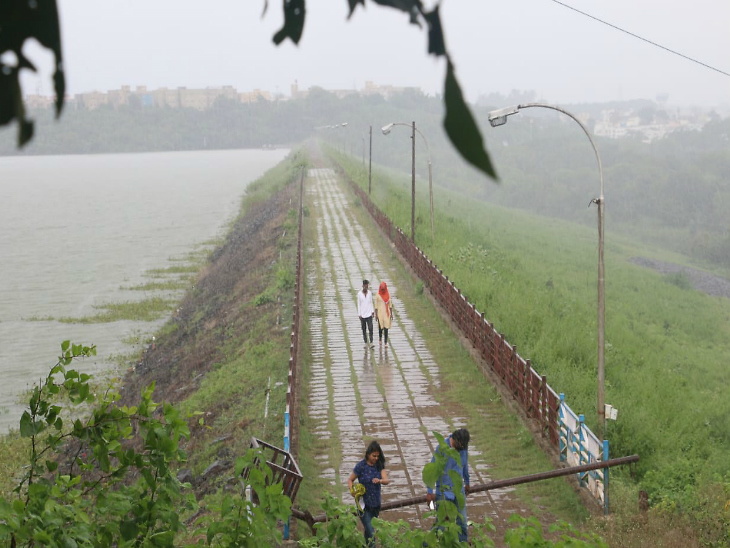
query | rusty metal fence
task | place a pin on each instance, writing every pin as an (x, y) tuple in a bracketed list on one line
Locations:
[(291, 430), (283, 466)]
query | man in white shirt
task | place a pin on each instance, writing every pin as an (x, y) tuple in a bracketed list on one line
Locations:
[(365, 312)]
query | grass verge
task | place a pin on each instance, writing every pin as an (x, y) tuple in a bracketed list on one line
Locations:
[(666, 350)]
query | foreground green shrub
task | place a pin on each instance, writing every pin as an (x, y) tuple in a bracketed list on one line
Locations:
[(100, 474)]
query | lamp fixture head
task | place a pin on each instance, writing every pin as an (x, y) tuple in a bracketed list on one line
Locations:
[(499, 117), (386, 129)]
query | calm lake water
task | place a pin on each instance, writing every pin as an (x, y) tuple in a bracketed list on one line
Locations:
[(77, 230)]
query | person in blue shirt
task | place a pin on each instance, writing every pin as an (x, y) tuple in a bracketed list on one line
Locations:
[(371, 473), (445, 490)]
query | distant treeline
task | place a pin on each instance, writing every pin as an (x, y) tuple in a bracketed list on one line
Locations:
[(228, 124), (674, 192)]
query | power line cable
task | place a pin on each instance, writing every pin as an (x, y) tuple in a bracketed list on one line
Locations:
[(642, 38)]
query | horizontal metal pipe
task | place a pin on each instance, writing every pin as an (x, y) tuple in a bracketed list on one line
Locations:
[(555, 473), (306, 516)]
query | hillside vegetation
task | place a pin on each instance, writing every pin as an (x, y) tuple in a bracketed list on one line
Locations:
[(534, 278), (667, 344), (127, 471)]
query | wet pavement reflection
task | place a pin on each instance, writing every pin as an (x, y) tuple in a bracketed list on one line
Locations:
[(359, 393)]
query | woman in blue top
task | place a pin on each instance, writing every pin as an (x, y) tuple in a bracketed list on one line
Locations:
[(371, 473)]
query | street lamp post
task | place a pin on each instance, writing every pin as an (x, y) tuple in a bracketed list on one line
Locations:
[(344, 142), (386, 130), (370, 163), (335, 126), (498, 118)]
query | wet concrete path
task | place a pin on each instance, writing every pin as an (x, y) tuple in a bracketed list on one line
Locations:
[(386, 393)]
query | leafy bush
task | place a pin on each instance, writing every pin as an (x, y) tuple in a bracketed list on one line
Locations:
[(107, 479), (236, 520), (285, 278), (529, 533), (265, 298)]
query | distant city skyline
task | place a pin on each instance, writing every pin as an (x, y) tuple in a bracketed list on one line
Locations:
[(204, 98), (498, 46), (614, 121), (198, 98), (293, 90)]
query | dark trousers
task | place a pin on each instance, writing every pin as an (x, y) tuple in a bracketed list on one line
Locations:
[(367, 327), (383, 331), (367, 516)]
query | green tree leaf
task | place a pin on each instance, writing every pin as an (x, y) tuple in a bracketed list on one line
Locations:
[(461, 127), (431, 473), (128, 529), (436, 42), (409, 6), (294, 13), (353, 4)]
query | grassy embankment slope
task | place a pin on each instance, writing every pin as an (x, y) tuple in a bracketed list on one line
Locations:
[(225, 353), (667, 345), (228, 340)]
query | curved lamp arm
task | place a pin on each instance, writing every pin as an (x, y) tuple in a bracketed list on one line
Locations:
[(585, 130), (498, 118), (386, 130)]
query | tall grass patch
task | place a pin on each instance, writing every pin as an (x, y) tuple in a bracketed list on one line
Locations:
[(667, 346), (13, 450), (146, 310)]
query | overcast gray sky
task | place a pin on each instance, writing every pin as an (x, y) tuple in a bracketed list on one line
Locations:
[(497, 46)]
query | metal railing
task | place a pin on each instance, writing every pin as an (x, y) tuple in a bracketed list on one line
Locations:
[(578, 446), (283, 466), (291, 430)]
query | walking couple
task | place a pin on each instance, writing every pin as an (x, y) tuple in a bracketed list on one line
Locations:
[(382, 310)]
